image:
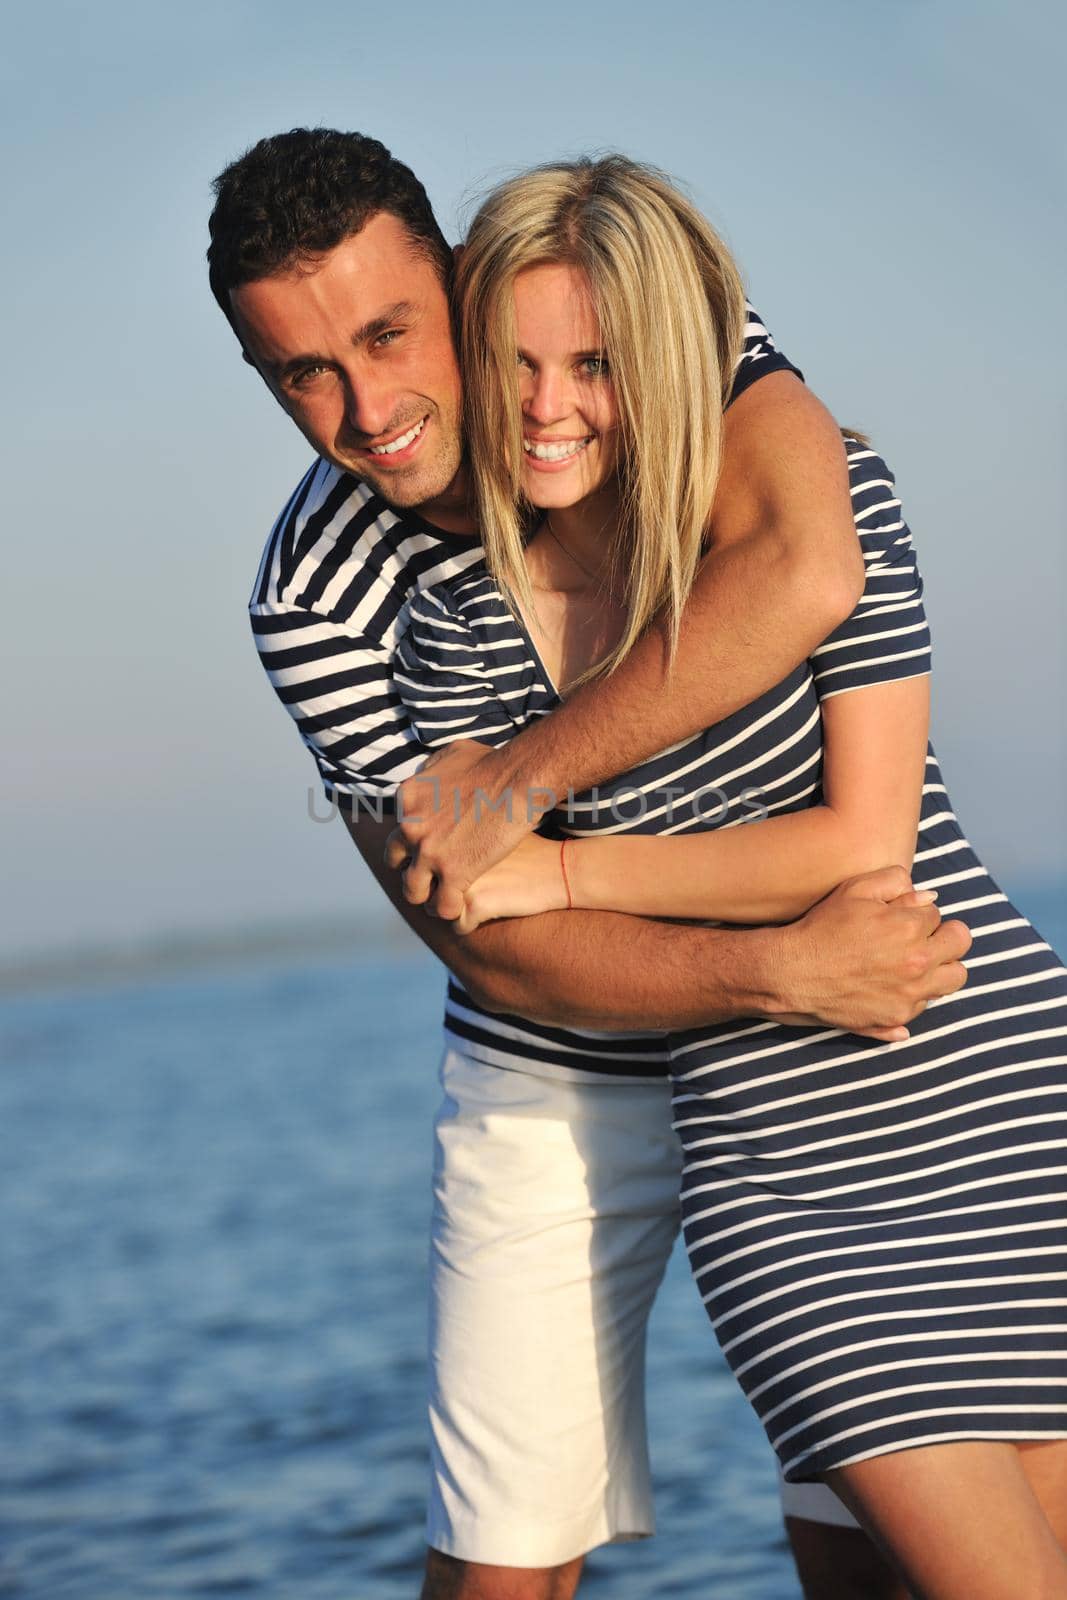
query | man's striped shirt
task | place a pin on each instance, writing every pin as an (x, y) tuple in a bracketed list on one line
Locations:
[(330, 605)]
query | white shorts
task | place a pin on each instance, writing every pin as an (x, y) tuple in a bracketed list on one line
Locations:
[(555, 1210)]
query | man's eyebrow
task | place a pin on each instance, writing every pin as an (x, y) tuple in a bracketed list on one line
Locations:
[(280, 370), (403, 311)]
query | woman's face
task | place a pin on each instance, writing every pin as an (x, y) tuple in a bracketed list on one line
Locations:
[(568, 400)]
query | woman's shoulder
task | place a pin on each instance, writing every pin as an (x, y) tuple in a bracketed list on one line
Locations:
[(461, 668), (471, 603), (876, 507), (870, 477)]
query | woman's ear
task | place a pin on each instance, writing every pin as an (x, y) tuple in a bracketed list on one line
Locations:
[(457, 251)]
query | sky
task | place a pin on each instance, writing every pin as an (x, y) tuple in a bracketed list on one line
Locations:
[(891, 176)]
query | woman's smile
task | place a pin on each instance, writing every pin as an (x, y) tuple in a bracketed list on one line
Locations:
[(552, 455)]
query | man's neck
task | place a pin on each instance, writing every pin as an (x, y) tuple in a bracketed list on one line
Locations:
[(451, 511)]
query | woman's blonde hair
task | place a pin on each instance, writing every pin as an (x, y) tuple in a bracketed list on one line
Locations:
[(672, 313)]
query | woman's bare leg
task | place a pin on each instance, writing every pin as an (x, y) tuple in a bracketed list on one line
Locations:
[(1045, 1465), (960, 1521), (841, 1563)]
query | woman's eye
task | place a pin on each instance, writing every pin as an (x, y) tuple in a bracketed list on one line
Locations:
[(596, 367)]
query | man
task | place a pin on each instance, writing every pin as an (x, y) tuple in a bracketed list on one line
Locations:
[(556, 1169)]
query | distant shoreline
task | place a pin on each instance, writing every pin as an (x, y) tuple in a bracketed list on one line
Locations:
[(166, 953), (162, 954)]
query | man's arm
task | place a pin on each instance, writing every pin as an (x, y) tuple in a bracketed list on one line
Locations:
[(868, 958), (784, 569)]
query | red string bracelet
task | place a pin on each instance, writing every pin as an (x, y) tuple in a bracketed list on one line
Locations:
[(563, 869)]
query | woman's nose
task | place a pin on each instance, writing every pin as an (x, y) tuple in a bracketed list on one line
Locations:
[(545, 398)]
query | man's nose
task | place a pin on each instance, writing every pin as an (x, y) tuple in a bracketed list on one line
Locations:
[(370, 404)]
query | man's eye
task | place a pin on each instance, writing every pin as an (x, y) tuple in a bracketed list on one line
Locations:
[(306, 375), (390, 336)]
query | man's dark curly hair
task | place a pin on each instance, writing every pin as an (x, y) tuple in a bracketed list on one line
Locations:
[(296, 195)]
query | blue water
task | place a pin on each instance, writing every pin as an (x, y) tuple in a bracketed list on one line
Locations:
[(215, 1200)]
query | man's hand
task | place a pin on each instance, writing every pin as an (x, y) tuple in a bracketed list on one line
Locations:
[(462, 797), (871, 956)]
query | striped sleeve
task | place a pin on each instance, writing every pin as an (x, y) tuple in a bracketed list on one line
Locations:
[(759, 356), (337, 686), (443, 678), (329, 603), (886, 637)]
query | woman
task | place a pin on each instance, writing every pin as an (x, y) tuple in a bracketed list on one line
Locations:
[(879, 1232)]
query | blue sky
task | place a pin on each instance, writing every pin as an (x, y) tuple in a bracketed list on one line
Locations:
[(891, 177)]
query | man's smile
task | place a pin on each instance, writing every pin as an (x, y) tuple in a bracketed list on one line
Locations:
[(403, 445)]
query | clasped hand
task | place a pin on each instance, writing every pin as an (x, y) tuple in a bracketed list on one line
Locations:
[(464, 842)]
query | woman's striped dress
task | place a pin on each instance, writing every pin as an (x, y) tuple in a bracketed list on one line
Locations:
[(879, 1232)]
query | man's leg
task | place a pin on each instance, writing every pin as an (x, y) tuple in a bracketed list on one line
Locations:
[(835, 1560), (449, 1579), (555, 1212)]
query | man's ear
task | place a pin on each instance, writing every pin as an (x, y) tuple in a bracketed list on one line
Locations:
[(246, 357), (457, 252)]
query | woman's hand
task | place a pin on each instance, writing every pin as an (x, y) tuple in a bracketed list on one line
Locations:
[(527, 881), (459, 815)]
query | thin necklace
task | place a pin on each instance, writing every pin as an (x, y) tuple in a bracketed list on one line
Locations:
[(597, 577)]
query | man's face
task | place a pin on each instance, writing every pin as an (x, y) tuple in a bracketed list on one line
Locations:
[(359, 352)]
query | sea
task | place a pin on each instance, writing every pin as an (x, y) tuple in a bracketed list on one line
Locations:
[(214, 1191)]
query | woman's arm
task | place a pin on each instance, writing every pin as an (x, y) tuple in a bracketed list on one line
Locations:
[(874, 757)]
